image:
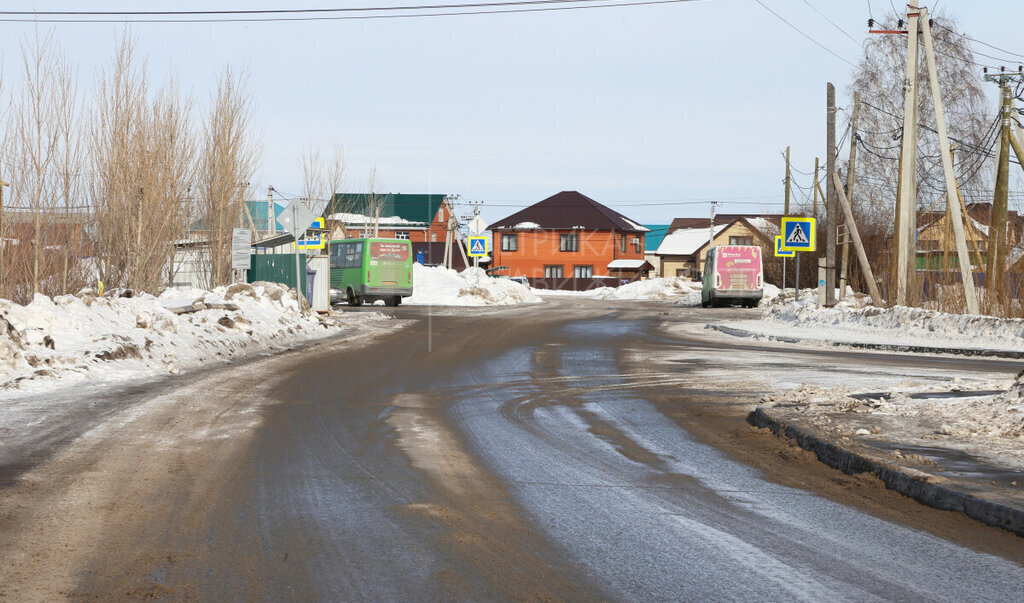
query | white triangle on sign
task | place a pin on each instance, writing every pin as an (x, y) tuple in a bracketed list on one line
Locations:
[(797, 235)]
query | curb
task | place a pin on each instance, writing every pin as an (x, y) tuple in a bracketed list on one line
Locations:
[(914, 486), (884, 347)]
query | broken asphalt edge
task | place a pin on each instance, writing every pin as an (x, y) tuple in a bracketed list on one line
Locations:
[(896, 478), (885, 347)]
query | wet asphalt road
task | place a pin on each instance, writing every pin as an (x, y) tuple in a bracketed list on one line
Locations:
[(518, 459), (494, 454)]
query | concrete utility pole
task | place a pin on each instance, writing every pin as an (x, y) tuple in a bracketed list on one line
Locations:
[(905, 251), (997, 229), (947, 169), (830, 199), (270, 212), (711, 231), (850, 181), (862, 257), (3, 233)]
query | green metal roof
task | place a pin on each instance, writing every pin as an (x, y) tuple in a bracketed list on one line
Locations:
[(654, 238), (414, 208)]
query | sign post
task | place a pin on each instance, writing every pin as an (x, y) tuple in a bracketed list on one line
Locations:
[(798, 234), (779, 253), (241, 250), (296, 218)]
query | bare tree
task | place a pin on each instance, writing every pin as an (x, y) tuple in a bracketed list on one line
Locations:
[(143, 154), (375, 201), (879, 78), (227, 161), (38, 123)]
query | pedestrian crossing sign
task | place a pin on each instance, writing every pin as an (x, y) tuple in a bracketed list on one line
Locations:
[(779, 253), (477, 247), (798, 234)]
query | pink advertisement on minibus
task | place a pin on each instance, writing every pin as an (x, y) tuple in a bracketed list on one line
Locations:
[(738, 267)]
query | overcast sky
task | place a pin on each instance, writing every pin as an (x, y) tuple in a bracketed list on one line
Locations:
[(652, 110)]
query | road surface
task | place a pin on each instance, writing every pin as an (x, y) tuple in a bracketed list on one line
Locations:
[(574, 450)]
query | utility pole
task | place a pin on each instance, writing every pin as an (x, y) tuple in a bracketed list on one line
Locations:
[(830, 197), (905, 251), (786, 213), (947, 169), (816, 189), (997, 229), (850, 181), (851, 227), (271, 217), (3, 233), (711, 231)]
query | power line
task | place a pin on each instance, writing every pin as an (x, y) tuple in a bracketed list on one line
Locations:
[(841, 30), (799, 31), (334, 14)]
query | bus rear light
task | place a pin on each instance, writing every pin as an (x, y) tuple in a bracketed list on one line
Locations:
[(758, 286), (718, 281)]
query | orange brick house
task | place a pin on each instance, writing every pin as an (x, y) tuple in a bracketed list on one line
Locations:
[(569, 236)]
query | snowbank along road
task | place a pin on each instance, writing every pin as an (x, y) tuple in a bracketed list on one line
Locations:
[(575, 450)]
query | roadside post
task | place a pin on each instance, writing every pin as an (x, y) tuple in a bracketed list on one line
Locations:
[(241, 251), (780, 253), (296, 218), (798, 234)]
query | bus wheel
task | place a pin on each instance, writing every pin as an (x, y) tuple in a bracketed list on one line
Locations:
[(353, 300), (394, 300)]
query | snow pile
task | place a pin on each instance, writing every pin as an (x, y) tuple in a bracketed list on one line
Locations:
[(121, 338), (987, 424), (439, 286), (675, 288), (896, 325)]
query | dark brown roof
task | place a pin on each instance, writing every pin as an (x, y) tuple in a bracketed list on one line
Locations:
[(721, 219), (567, 210)]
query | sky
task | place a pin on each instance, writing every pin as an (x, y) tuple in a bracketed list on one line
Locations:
[(653, 110)]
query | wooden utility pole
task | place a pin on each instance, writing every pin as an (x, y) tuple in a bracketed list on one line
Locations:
[(907, 200), (862, 257), (830, 197), (816, 187), (997, 229), (850, 181), (967, 275)]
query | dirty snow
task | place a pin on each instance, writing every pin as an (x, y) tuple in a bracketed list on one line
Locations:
[(74, 338), (854, 320), (439, 286), (677, 290)]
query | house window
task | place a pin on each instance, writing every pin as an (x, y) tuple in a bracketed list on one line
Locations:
[(402, 234), (583, 272), (636, 244), (741, 240), (510, 242), (569, 242), (552, 272), (622, 242), (365, 234), (433, 237)]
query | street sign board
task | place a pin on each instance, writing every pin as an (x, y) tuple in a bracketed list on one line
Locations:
[(798, 234), (296, 218), (477, 247), (779, 252), (477, 225), (318, 241), (241, 250)]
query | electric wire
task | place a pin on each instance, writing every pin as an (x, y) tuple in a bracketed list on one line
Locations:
[(798, 30), (258, 16)]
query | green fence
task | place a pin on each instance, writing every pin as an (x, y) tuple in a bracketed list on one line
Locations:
[(277, 268)]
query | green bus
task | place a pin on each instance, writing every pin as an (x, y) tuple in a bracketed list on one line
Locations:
[(365, 270)]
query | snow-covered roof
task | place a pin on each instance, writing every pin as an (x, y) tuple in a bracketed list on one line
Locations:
[(626, 264), (765, 227), (639, 227), (686, 241), (362, 220), (526, 225)]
